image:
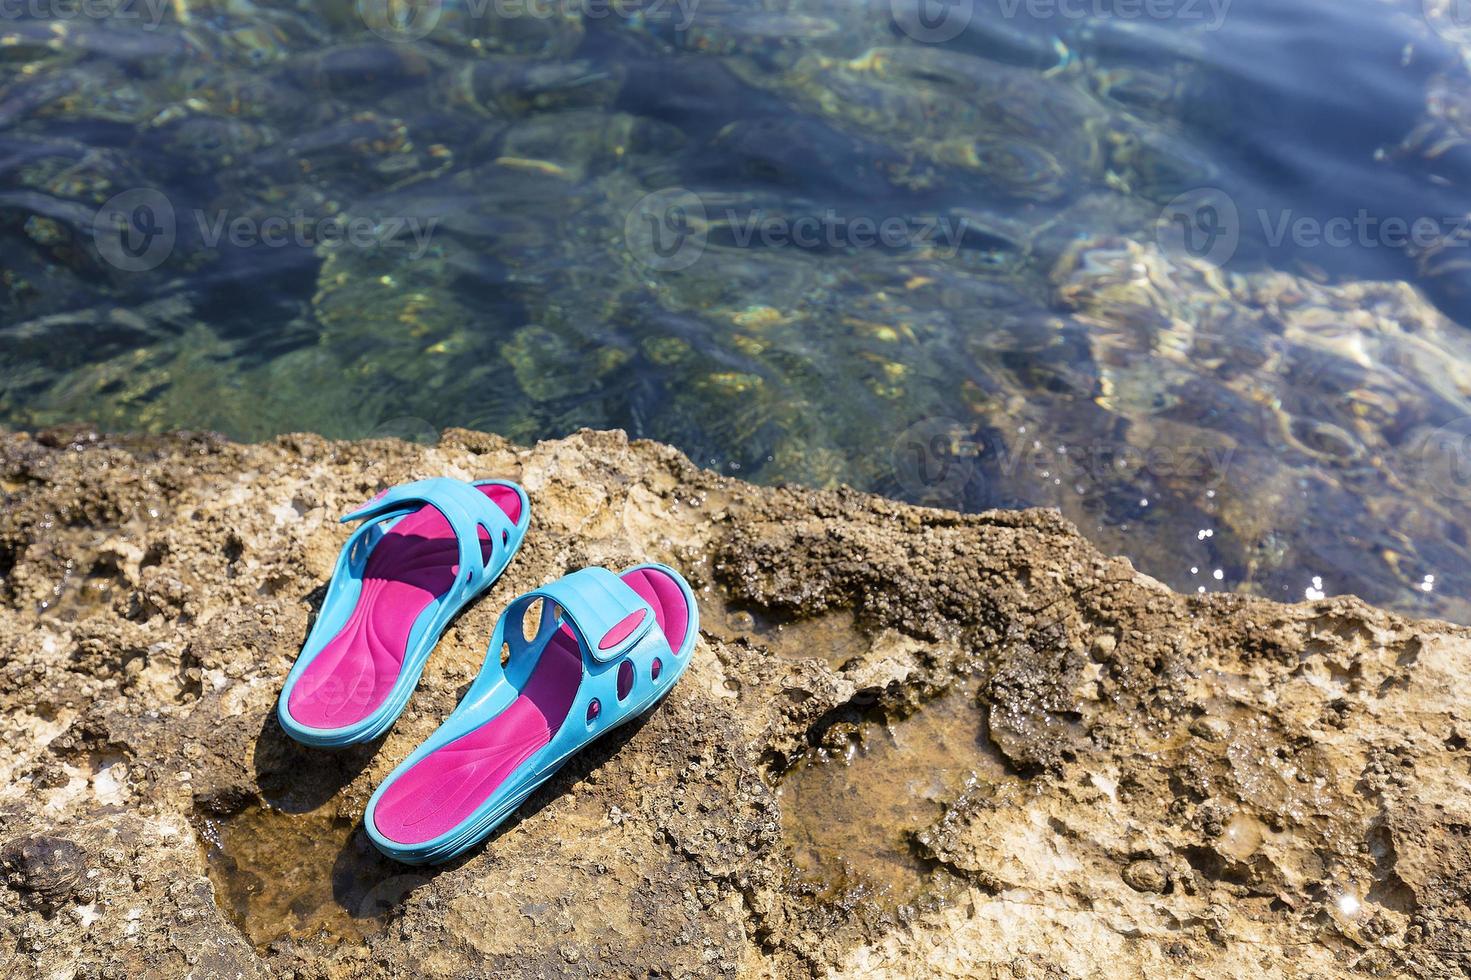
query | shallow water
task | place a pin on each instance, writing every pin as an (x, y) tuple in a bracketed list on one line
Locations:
[(303, 876), (952, 260), (851, 812), (834, 637)]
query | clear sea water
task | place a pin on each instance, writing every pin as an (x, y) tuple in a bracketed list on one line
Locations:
[(1195, 272)]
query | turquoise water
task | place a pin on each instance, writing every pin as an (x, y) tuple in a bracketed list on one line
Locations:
[(1193, 271)]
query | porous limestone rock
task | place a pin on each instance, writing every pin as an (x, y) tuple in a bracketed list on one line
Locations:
[(1163, 785)]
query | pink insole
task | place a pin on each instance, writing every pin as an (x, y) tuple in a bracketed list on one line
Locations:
[(446, 786), (413, 565)]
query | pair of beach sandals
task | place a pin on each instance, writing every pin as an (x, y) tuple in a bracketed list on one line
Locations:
[(604, 649)]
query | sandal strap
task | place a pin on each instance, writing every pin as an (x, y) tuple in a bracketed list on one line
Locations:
[(608, 617), (464, 507)]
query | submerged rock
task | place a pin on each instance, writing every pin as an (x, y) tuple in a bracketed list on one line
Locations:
[(1044, 762)]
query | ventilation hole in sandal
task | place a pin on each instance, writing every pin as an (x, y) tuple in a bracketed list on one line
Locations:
[(656, 668), (531, 620), (505, 654), (594, 708), (625, 679)]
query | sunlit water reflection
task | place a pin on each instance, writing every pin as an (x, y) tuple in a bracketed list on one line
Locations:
[(989, 253)]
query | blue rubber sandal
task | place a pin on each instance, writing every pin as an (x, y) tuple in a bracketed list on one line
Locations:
[(606, 649), (393, 593)]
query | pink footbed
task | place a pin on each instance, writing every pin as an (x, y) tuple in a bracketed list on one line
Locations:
[(414, 564), (446, 786)]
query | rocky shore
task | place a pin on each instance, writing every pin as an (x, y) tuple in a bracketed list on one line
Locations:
[(912, 743)]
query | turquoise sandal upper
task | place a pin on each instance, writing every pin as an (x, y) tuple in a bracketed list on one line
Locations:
[(626, 667), (467, 510)]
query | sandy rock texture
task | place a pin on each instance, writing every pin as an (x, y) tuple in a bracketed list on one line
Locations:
[(1149, 784)]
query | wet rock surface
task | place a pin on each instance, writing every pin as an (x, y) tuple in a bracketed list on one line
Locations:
[(911, 743)]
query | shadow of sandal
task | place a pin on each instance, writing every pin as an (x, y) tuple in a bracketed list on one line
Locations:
[(297, 778)]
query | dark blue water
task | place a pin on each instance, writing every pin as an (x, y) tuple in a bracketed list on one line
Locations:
[(1194, 273)]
